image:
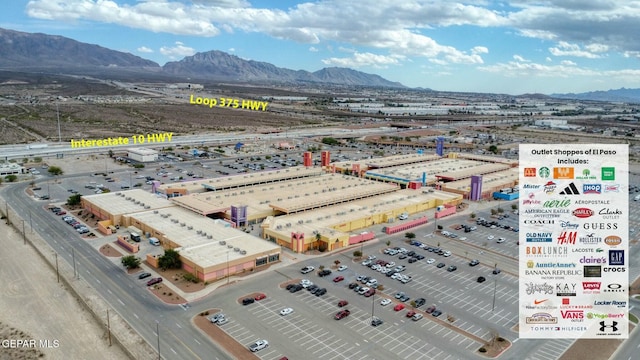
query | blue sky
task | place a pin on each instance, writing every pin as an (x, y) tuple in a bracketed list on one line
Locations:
[(512, 47)]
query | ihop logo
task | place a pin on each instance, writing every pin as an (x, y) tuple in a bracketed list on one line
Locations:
[(591, 189)]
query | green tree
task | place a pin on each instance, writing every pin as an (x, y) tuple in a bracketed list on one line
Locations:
[(11, 178), (494, 211), (514, 207), (74, 200), (37, 159), (410, 235), (473, 215), (337, 262), (493, 149), (130, 261), (388, 242), (330, 141), (170, 260), (25, 160), (0, 181), (357, 253), (110, 153), (55, 170)]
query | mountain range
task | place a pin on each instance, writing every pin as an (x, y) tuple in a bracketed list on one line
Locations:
[(37, 51), (41, 52)]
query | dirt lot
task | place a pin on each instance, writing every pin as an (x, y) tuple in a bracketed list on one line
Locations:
[(30, 294)]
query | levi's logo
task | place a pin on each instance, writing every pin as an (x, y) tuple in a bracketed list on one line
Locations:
[(590, 285)]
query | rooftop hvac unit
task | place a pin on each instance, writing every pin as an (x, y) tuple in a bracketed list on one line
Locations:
[(137, 202), (300, 221), (222, 242), (229, 246), (168, 215), (236, 249), (147, 207), (155, 211), (199, 232), (279, 227), (217, 196), (288, 224), (208, 197), (204, 233), (209, 237), (128, 198), (141, 204), (183, 224), (118, 193), (243, 252)]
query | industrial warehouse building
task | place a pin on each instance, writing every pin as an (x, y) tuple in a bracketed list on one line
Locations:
[(142, 154)]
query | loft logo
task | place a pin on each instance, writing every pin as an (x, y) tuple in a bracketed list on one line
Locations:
[(529, 172), (608, 173), (544, 172), (591, 189), (616, 257), (586, 175), (550, 187), (570, 190), (564, 172)]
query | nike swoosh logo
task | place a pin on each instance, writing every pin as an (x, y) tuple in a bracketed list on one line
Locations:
[(537, 302)]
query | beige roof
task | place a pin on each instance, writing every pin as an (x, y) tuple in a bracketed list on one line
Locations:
[(285, 196), (486, 158), (489, 181), (414, 172), (323, 220), (475, 169), (398, 160), (128, 201), (199, 237), (226, 182)]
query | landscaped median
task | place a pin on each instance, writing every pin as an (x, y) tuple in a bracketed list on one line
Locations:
[(221, 338)]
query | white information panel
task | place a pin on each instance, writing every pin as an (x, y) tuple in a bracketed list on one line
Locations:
[(574, 239)]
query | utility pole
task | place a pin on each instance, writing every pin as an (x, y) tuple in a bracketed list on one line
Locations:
[(108, 327), (158, 334), (57, 270), (59, 135), (73, 257), (24, 235)]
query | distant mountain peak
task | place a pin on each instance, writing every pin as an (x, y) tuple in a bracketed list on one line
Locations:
[(216, 64)]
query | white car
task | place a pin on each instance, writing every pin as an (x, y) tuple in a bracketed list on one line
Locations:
[(366, 263), (431, 260), (286, 311), (363, 290), (258, 345), (342, 267), (490, 237), (396, 276), (385, 302), (463, 238), (446, 253), (391, 264), (371, 257), (305, 283)]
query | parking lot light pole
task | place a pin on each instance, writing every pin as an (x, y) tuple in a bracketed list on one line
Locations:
[(373, 303), (495, 285), (158, 336)]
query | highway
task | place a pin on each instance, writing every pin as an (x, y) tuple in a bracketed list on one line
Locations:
[(127, 296)]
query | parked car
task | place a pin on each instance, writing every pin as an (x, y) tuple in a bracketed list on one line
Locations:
[(154, 281), (501, 240), (376, 322), (307, 269), (436, 313), (338, 279), (431, 260), (369, 292), (417, 317), (247, 301), (410, 313), (144, 275), (286, 311), (321, 292), (474, 262), (342, 314), (214, 318), (452, 268), (260, 296), (430, 309), (481, 279), (258, 345), (342, 303), (342, 267), (324, 272), (398, 307), (420, 301), (441, 265), (385, 302)]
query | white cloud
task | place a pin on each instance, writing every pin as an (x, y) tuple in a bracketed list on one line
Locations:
[(144, 49), (364, 59), (566, 49), (480, 50), (232, 50), (179, 50), (568, 63), (313, 49), (519, 58)]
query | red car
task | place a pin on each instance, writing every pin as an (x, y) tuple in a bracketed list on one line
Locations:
[(342, 303), (60, 213), (411, 313), (154, 281), (342, 314), (398, 307), (260, 296), (430, 309), (370, 292), (338, 278)]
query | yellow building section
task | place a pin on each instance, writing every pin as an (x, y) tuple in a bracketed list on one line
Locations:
[(331, 227)]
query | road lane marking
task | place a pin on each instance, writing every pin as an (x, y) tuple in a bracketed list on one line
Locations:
[(120, 301)]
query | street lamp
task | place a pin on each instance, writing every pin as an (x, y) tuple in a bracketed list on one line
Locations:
[(495, 285), (228, 267)]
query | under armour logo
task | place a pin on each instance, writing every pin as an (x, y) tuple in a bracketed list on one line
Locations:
[(613, 326)]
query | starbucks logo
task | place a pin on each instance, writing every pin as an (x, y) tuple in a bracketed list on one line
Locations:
[(544, 172)]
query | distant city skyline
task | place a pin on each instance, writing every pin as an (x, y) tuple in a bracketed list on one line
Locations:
[(510, 47)]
